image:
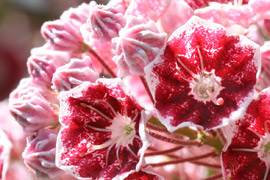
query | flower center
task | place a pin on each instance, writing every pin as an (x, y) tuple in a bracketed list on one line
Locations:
[(122, 131), (205, 86)]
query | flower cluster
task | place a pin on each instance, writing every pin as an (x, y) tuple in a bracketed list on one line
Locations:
[(149, 90)]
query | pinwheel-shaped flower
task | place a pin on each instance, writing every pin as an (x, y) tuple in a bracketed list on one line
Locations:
[(247, 154), (204, 77), (103, 131)]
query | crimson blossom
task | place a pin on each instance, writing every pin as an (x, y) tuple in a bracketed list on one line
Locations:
[(103, 131), (249, 142), (205, 77)]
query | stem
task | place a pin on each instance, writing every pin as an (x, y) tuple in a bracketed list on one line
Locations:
[(217, 166), (221, 135), (218, 176), (182, 160), (163, 152), (173, 140), (109, 70), (186, 131), (147, 88), (156, 128)]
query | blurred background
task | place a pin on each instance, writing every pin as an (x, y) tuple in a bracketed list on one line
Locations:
[(20, 22)]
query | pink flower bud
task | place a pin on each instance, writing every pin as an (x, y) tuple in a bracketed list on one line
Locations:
[(33, 106), (105, 23), (39, 155), (64, 34), (43, 62), (73, 74), (138, 44), (5, 148)]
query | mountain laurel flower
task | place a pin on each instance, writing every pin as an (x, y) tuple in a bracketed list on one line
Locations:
[(34, 106), (5, 148), (138, 44), (249, 142), (39, 155), (103, 131), (204, 78), (73, 74)]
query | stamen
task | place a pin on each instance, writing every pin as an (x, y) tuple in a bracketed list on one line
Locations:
[(131, 151), (135, 117), (110, 106), (266, 127), (117, 156), (107, 154), (104, 145), (179, 73), (94, 109), (201, 59), (244, 149), (218, 102), (266, 172), (97, 129), (126, 114), (184, 66), (260, 136)]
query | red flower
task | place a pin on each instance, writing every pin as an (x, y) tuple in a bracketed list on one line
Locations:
[(247, 154), (103, 134), (204, 77)]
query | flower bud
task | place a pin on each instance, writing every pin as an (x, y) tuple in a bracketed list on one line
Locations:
[(33, 106), (43, 62), (138, 44), (39, 155), (74, 74)]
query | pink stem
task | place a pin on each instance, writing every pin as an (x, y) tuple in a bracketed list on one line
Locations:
[(102, 62), (221, 135), (217, 166), (172, 140), (156, 128), (163, 152), (182, 160), (147, 88), (218, 176)]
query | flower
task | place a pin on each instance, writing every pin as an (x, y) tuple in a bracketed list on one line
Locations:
[(102, 133), (204, 78), (249, 142)]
